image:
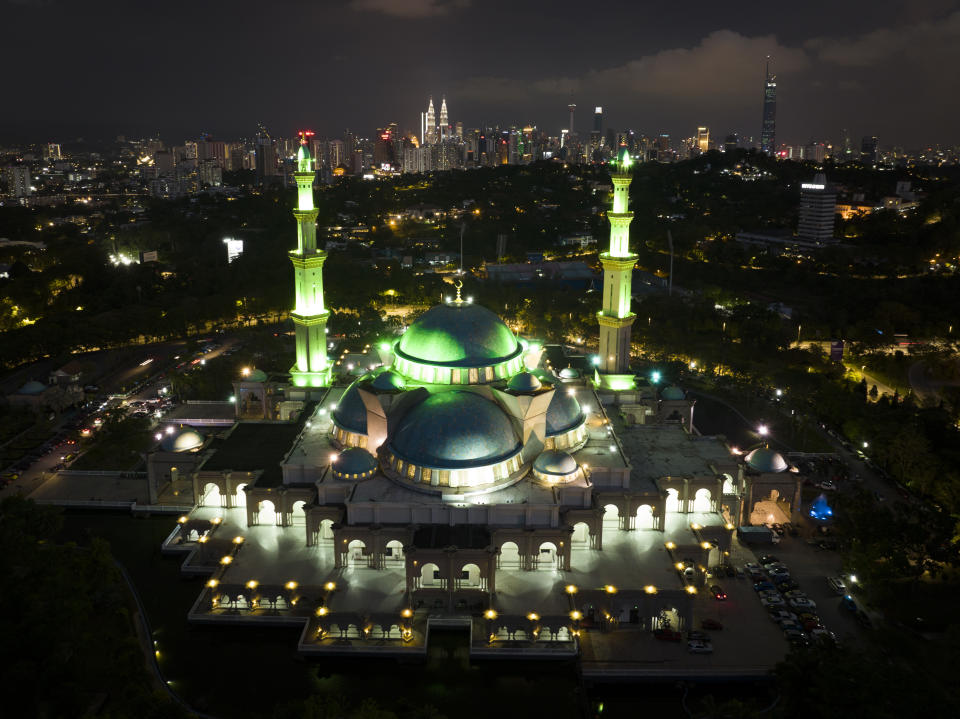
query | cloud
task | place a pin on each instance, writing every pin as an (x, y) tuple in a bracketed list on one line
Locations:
[(925, 43), (725, 64), (410, 8)]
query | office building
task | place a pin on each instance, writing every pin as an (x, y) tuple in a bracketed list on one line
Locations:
[(18, 181), (768, 132), (818, 204)]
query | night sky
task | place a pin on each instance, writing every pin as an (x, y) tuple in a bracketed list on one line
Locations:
[(102, 67)]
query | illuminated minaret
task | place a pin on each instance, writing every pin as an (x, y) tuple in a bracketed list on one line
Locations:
[(444, 121), (312, 368), (615, 317), (431, 135)]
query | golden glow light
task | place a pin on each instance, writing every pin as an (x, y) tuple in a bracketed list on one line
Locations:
[(212, 583), (253, 584), (576, 615), (407, 613), (670, 545), (610, 589), (691, 590), (330, 586), (238, 540), (571, 589), (291, 585), (490, 614), (650, 589), (533, 616), (322, 612), (226, 559)]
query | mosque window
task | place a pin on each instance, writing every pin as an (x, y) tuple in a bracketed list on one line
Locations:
[(426, 474), (363, 441), (399, 466), (411, 470), (445, 477), (488, 373)]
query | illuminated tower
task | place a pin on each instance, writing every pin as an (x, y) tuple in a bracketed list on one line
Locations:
[(312, 369), (768, 133), (615, 317), (431, 134), (571, 107), (444, 120)]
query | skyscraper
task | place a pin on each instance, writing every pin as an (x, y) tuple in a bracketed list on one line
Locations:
[(444, 120), (818, 204), (598, 120), (430, 133), (18, 180), (312, 368), (768, 133), (571, 107), (870, 149), (703, 138), (615, 317)]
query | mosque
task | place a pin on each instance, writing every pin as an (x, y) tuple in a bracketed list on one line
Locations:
[(460, 475)]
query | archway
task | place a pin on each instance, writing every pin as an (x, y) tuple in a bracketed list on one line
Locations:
[(355, 555), (430, 576), (728, 485), (581, 535), (673, 500), (547, 556), (240, 498), (703, 500), (326, 531), (298, 513), (470, 577), (645, 519), (267, 513), (509, 555), (394, 553), (611, 517), (210, 497)]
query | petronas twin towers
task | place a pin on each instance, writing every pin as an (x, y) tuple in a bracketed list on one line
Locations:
[(430, 131)]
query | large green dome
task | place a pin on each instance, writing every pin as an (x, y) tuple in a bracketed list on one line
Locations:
[(454, 430), (458, 334)]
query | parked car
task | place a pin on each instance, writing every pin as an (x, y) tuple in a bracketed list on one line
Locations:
[(785, 584), (796, 637), (795, 594), (711, 624), (803, 603), (764, 586), (827, 485), (837, 585), (778, 615), (768, 559), (776, 601), (849, 603), (698, 647)]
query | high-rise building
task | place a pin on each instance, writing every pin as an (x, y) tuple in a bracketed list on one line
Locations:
[(730, 143), (571, 107), (312, 368), (430, 133), (615, 317), (444, 129), (870, 149), (768, 132), (51, 152), (266, 155), (598, 120), (703, 139), (18, 181), (818, 204)]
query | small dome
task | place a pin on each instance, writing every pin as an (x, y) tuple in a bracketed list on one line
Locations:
[(388, 381), (257, 375), (554, 462), (569, 373), (672, 393), (186, 439), (351, 412), (458, 334), (766, 460), (32, 387), (524, 382), (563, 413), (455, 429), (354, 463)]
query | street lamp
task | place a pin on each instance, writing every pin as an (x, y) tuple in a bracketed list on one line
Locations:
[(763, 430)]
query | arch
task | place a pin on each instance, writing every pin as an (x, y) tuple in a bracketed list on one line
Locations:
[(394, 551), (509, 556), (326, 531), (266, 512), (728, 485), (645, 518), (673, 500), (547, 556), (355, 555), (581, 535), (210, 496), (240, 498), (611, 516), (703, 500), (470, 577), (430, 576), (299, 513)]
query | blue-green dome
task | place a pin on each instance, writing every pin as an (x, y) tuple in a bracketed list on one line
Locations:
[(455, 429), (354, 463), (563, 413), (458, 334), (32, 387), (388, 381), (555, 462), (766, 460), (524, 382), (257, 375), (672, 393), (351, 413), (185, 439), (569, 373)]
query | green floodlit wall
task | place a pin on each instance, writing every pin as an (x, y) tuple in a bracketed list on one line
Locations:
[(434, 374)]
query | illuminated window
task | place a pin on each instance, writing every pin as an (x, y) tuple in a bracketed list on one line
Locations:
[(363, 441), (400, 466), (425, 474), (472, 374), (488, 373), (411, 470), (445, 477)]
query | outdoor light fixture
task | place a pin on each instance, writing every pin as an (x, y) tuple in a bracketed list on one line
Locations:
[(407, 613), (245, 371), (330, 586), (291, 585), (866, 444), (490, 614), (670, 545), (763, 430), (650, 589), (238, 540), (691, 589), (253, 584), (705, 545), (610, 589), (679, 566), (226, 559), (533, 616), (322, 611), (655, 377), (182, 519), (571, 589), (575, 615), (212, 583), (170, 429)]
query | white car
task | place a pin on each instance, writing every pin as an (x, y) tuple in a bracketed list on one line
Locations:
[(803, 603), (837, 586), (773, 601), (698, 646)]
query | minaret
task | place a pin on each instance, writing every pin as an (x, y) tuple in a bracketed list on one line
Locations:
[(444, 121), (431, 135), (615, 317), (312, 368)]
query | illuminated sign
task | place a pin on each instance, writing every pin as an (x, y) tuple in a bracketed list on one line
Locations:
[(234, 248), (812, 186), (598, 110)]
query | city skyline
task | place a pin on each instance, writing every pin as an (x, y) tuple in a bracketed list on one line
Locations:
[(868, 72)]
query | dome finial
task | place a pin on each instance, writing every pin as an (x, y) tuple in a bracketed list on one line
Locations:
[(459, 285)]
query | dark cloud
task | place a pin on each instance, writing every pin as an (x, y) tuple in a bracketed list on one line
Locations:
[(410, 8)]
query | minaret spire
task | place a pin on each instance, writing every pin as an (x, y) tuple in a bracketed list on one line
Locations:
[(312, 368), (615, 317)]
